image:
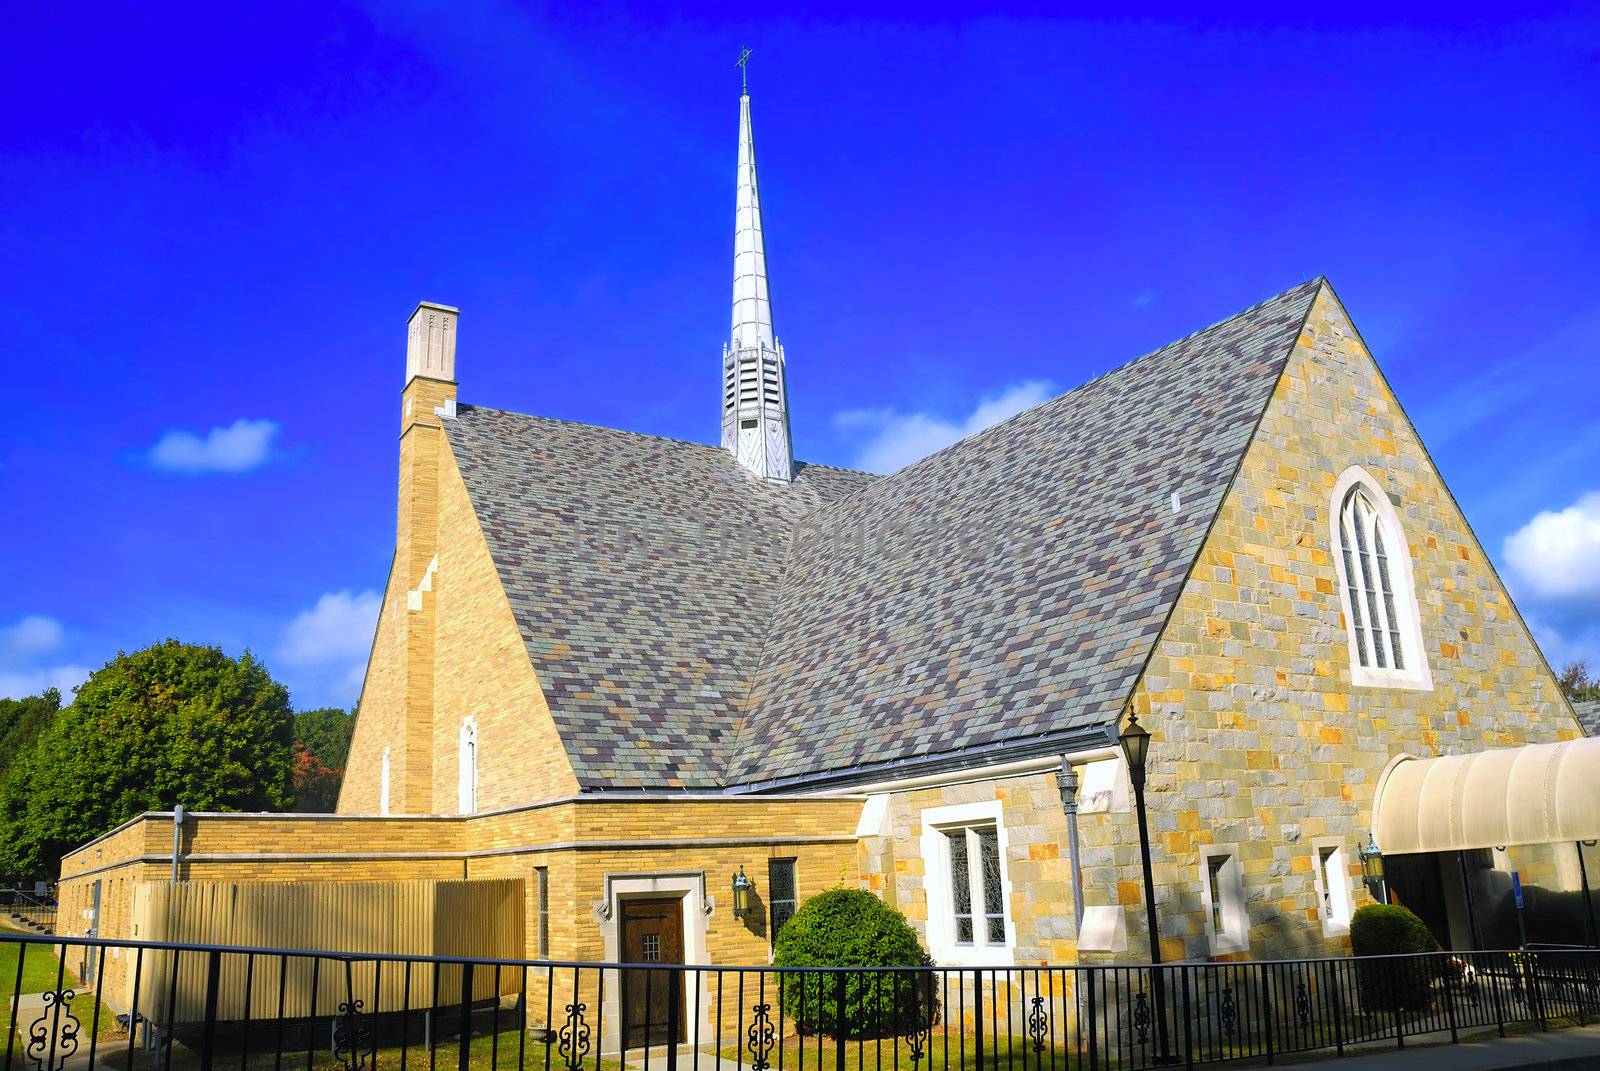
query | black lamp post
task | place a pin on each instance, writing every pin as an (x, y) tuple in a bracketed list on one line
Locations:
[(742, 888), (1135, 740)]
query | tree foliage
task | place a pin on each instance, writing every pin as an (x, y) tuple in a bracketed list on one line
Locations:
[(1577, 684), (321, 749), (325, 732), (21, 722), (853, 928), (171, 724)]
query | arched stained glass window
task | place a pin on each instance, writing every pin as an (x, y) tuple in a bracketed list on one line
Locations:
[(1385, 637)]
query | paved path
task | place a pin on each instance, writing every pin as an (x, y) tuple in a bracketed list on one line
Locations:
[(1574, 1047)]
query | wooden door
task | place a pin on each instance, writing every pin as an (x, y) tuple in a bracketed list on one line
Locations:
[(652, 932)]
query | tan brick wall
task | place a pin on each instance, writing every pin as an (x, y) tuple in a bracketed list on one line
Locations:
[(396, 707), (1261, 739), (580, 841), (483, 671)]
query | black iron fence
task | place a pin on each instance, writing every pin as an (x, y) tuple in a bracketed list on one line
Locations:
[(164, 1006), (26, 910)]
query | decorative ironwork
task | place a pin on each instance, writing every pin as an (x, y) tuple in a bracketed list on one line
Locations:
[(572, 1043), (1038, 1024), (1302, 1004), (1228, 1012), (760, 1037), (53, 1037), (1141, 1017), (353, 1046)]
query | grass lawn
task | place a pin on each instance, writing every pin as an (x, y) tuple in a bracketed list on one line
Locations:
[(38, 969), (484, 1055)]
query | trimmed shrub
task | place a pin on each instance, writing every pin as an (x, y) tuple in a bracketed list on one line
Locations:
[(853, 928), (1392, 985)]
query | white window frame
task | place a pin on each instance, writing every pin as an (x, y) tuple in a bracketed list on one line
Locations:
[(1397, 550), (383, 784), (1235, 933), (936, 823), (467, 763), (1335, 896)]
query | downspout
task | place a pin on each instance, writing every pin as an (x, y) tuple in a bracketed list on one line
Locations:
[(1067, 782), (177, 839)]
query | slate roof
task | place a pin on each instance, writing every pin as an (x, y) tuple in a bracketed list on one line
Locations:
[(1007, 588), (1588, 712), (642, 573)]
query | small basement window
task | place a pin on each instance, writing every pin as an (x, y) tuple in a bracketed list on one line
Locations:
[(1222, 890), (1333, 886)]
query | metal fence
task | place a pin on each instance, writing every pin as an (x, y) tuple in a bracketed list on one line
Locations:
[(24, 909), (202, 1006)]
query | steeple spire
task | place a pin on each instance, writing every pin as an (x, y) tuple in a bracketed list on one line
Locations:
[(755, 398)]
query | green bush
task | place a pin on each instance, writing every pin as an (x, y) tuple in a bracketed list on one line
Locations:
[(1392, 985), (853, 928)]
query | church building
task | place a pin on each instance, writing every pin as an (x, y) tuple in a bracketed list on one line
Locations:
[(629, 671)]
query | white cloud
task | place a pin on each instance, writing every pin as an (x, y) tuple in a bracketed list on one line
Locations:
[(19, 685), (1557, 554), (240, 447), (337, 629), (23, 646), (898, 438), (31, 637), (327, 646)]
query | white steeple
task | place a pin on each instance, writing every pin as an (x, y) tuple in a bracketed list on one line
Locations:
[(755, 398)]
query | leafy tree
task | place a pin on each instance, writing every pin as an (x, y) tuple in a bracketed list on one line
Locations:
[(21, 722), (326, 733), (173, 723), (1576, 683), (321, 747), (315, 783)]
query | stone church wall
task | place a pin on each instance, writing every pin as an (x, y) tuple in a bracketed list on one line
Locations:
[(1261, 740)]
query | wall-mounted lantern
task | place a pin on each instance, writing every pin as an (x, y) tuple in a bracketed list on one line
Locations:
[(1372, 870), (742, 888)]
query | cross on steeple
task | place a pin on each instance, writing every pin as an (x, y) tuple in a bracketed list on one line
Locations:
[(744, 70)]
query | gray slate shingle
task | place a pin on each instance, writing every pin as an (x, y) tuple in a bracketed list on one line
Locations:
[(1588, 712), (1008, 586)]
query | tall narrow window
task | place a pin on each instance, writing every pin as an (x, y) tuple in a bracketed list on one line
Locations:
[(1222, 891), (383, 784), (467, 786), (781, 896), (1333, 886), (1214, 867), (541, 885), (1380, 606)]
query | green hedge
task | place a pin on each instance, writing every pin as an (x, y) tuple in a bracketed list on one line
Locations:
[(853, 928), (1392, 985)]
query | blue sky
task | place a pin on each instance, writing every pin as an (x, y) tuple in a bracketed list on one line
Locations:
[(218, 219)]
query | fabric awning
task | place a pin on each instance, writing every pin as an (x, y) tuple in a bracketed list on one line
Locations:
[(1536, 794)]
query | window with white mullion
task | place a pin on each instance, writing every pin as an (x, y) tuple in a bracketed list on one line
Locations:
[(976, 898), (1386, 599), (1367, 590), (1353, 582)]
